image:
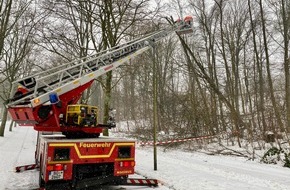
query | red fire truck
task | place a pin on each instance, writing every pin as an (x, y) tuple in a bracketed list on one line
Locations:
[(75, 158), (80, 163)]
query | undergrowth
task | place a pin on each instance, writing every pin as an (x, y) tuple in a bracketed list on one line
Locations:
[(275, 155)]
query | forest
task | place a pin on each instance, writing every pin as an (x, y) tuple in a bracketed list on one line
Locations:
[(229, 78)]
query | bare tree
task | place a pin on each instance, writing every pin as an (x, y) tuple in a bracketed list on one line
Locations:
[(17, 47), (117, 19), (5, 27), (277, 111), (281, 9)]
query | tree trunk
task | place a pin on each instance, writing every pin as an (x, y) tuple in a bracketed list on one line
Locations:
[(286, 29), (260, 86), (3, 122), (270, 81), (107, 100), (4, 21)]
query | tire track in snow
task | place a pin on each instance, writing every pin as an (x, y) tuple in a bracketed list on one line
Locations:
[(204, 175), (21, 154), (252, 173), (21, 148)]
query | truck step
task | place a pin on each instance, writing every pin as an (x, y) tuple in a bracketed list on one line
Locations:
[(26, 167)]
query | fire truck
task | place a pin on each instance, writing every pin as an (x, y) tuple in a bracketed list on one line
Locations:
[(79, 163), (74, 158)]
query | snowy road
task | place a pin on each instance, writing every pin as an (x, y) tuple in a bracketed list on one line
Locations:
[(177, 170), (182, 171)]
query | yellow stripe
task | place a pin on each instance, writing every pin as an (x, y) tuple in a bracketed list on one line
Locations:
[(60, 162), (90, 156), (61, 144), (76, 82), (124, 159)]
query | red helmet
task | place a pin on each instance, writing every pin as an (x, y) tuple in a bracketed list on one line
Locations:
[(22, 89), (188, 18)]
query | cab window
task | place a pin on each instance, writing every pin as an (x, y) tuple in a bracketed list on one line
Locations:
[(124, 152), (61, 154)]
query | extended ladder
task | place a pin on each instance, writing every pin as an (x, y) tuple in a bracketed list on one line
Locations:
[(44, 101), (67, 77)]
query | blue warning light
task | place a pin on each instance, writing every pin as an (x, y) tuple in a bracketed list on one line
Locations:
[(53, 98)]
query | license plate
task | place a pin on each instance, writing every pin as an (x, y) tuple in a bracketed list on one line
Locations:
[(54, 175)]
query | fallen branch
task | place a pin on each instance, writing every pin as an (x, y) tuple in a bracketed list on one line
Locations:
[(237, 153)]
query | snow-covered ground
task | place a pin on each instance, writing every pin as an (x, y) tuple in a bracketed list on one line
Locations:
[(177, 170)]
